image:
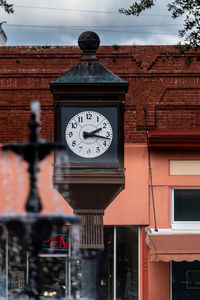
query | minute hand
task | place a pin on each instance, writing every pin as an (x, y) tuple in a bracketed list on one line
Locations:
[(96, 135), (95, 131)]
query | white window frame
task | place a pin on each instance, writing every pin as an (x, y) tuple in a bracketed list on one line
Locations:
[(182, 224)]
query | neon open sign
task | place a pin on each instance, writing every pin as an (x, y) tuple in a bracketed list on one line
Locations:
[(56, 242)]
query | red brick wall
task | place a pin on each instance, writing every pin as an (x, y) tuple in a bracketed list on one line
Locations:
[(161, 79)]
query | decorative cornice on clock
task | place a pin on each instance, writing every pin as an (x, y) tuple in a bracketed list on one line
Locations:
[(89, 69), (89, 72)]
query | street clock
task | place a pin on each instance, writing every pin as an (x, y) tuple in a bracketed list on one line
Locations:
[(89, 120)]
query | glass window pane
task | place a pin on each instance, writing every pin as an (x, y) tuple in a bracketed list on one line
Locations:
[(52, 276), (105, 266), (17, 267), (186, 205), (127, 263), (3, 279)]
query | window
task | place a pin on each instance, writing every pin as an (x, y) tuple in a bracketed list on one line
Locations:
[(185, 280), (118, 264), (186, 208), (60, 276)]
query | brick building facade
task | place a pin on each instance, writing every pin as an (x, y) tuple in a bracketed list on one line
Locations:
[(165, 83), (160, 78)]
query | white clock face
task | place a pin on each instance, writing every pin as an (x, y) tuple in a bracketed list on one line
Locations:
[(89, 134)]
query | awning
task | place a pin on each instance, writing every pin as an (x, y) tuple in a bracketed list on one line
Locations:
[(177, 245)]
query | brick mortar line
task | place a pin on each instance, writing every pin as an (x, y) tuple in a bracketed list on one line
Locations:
[(130, 75), (27, 108), (189, 107)]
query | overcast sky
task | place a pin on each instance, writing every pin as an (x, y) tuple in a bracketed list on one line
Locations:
[(60, 22)]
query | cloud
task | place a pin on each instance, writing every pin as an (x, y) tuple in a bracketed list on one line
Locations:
[(68, 22)]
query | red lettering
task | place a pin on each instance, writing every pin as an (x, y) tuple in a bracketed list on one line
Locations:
[(48, 240), (56, 241), (53, 241), (63, 242), (43, 242)]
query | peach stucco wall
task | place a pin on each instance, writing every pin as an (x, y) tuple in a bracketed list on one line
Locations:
[(130, 207), (163, 182), (14, 184), (154, 276), (159, 281)]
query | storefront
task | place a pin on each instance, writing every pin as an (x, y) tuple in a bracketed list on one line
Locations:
[(60, 272), (173, 237)]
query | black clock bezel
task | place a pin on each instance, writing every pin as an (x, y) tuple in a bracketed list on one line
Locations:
[(113, 157)]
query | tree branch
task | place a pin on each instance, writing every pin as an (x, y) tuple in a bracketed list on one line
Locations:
[(189, 8), (7, 7)]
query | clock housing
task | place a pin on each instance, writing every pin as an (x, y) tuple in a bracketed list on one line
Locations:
[(93, 181)]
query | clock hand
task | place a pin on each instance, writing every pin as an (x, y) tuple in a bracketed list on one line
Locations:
[(96, 130), (91, 132), (86, 135)]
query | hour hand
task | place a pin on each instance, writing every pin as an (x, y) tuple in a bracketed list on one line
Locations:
[(91, 133)]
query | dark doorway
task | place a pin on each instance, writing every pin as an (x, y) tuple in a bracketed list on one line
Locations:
[(186, 280)]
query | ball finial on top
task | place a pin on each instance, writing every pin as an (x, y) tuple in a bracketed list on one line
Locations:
[(88, 42)]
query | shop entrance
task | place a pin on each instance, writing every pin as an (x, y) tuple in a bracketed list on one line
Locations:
[(186, 280)]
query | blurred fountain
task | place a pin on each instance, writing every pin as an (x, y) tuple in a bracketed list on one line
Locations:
[(32, 228)]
